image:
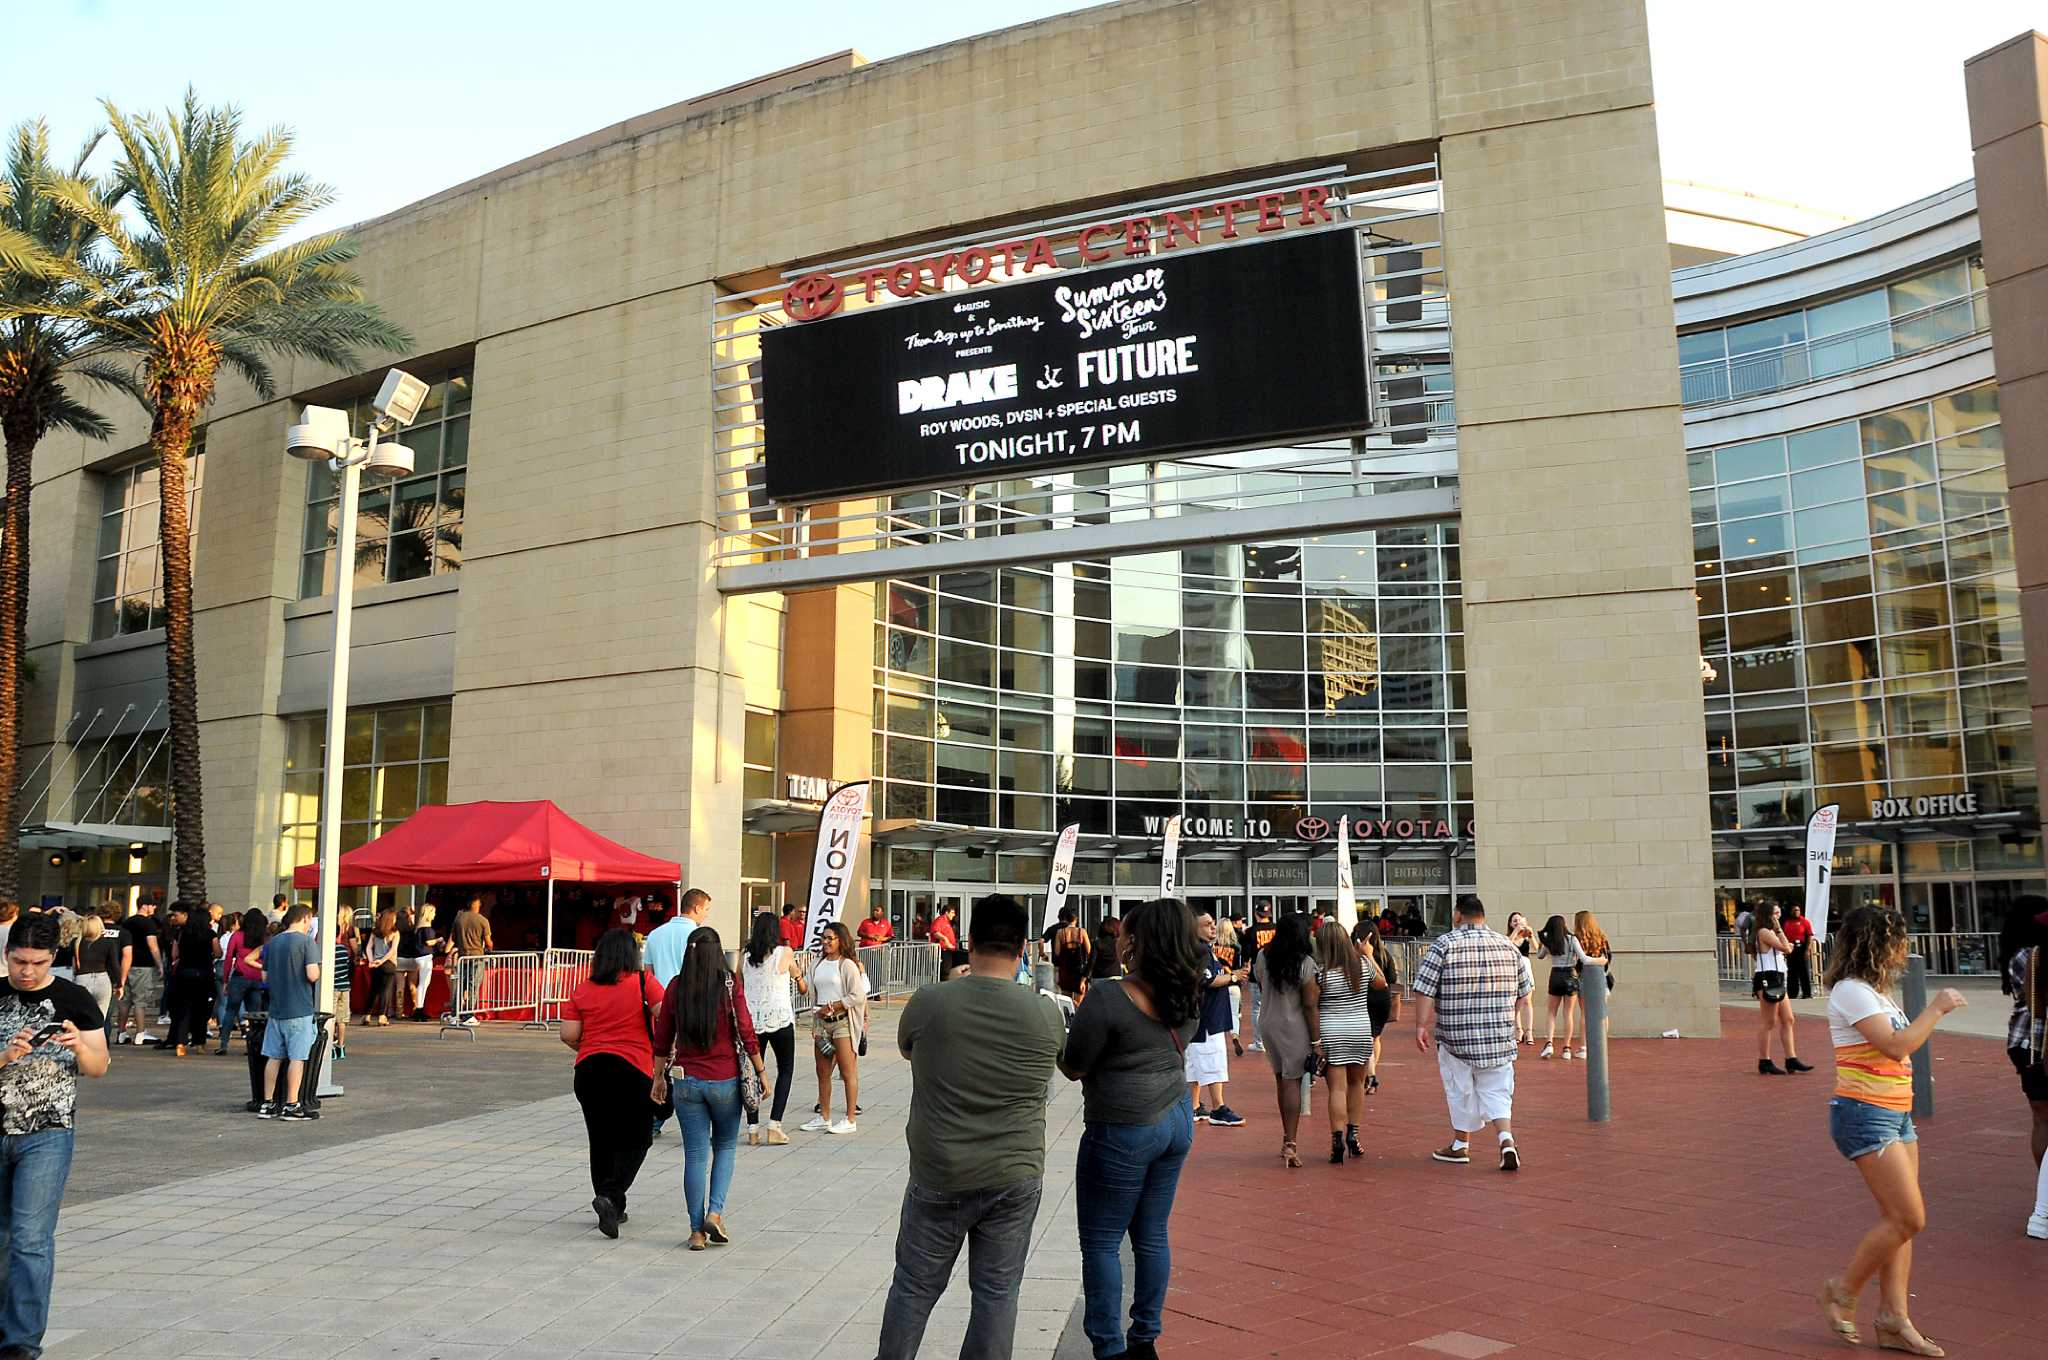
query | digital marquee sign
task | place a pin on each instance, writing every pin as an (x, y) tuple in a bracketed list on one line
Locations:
[(1167, 354)]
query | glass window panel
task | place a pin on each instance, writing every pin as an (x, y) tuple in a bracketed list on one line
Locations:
[(1823, 486), (438, 721), (1914, 714), (1838, 620), (1895, 429), (398, 734), (1414, 743), (1991, 643), (1832, 524), (1919, 653), (1905, 509), (1828, 444), (1947, 281), (1274, 652), (1699, 469), (1413, 653), (370, 558), (1704, 508), (1713, 633), (1762, 537), (1971, 452), (1915, 565), (1740, 462), (1978, 553), (1849, 334), (1900, 467), (1834, 581), (1770, 727), (1853, 720), (1764, 497), (1781, 805), (1980, 493), (1273, 689), (1347, 785), (968, 765), (1032, 632), (1763, 672), (1993, 597), (1708, 592), (1768, 628), (1769, 332), (1906, 611), (398, 793), (1967, 409), (2002, 748), (1701, 345), (1929, 757)]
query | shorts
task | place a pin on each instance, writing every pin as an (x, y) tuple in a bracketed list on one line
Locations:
[(838, 1028), (1769, 986), (1860, 1128), (291, 1039), (144, 991), (2033, 1075), (1476, 1096), (1205, 1062), (1564, 982)]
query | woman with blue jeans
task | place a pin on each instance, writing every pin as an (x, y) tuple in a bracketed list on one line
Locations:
[(705, 1031), (1126, 1047), (242, 973)]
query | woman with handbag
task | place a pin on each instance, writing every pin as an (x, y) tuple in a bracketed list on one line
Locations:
[(707, 1033), (1383, 998), (839, 1028), (609, 1022), (769, 974)]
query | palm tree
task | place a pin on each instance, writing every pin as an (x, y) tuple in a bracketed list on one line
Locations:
[(43, 251), (208, 278)]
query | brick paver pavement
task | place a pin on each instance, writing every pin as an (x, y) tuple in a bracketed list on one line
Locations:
[(1697, 1224)]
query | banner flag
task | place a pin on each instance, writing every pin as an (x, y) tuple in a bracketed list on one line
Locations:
[(1820, 857), (1169, 860), (837, 855), (1062, 873), (1347, 900)]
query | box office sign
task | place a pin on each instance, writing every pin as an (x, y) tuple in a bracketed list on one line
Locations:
[(1173, 354)]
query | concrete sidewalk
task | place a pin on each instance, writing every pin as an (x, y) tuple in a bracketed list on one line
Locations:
[(375, 1250)]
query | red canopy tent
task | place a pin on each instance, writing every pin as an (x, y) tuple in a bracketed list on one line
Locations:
[(493, 843)]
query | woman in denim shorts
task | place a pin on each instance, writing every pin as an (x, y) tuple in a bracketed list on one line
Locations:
[(1871, 1118)]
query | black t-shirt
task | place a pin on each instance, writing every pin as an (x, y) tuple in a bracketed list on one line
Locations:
[(136, 933), (1252, 938), (40, 1092)]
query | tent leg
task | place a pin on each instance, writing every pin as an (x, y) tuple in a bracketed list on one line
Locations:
[(543, 1008)]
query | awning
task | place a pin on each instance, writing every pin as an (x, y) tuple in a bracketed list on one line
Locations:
[(492, 843), (91, 836)]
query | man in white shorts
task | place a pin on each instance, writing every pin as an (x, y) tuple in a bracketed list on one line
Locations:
[(1467, 987)]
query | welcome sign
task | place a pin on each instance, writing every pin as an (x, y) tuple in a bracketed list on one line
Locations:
[(1170, 354)]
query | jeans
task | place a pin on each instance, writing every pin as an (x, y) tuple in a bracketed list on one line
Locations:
[(33, 1167), (1124, 1180), (709, 1113), (233, 1001), (1258, 1004), (613, 1094), (996, 1225), (782, 1042)]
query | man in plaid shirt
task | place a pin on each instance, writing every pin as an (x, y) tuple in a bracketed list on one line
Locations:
[(1467, 986)]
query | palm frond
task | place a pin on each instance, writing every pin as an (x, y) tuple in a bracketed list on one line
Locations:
[(65, 412)]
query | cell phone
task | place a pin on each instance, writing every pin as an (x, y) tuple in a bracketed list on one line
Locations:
[(46, 1033)]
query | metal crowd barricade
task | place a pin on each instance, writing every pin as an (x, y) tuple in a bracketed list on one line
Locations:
[(562, 972), (494, 986), (908, 966)]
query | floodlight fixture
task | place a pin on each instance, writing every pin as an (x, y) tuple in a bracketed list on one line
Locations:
[(321, 434), (400, 398)]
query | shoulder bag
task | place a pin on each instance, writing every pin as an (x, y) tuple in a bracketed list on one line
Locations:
[(750, 1081)]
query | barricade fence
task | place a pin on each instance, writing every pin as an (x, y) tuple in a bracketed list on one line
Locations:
[(1954, 953), (562, 972), (494, 987)]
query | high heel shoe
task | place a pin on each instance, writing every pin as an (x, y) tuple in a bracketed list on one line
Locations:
[(1838, 1306), (1290, 1154), (1351, 1141), (1895, 1333), (1372, 1085), (1336, 1149)]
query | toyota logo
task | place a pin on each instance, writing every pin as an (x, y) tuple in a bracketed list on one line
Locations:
[(1312, 829), (811, 298)]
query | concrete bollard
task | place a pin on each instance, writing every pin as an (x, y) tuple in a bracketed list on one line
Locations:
[(1915, 998), (1593, 992)]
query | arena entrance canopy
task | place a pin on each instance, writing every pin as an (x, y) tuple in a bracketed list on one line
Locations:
[(487, 842)]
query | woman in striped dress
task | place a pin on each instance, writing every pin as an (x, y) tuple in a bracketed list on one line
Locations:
[(1344, 1043)]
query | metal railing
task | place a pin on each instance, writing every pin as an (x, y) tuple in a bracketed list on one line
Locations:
[(562, 972), (899, 969), (494, 987), (1827, 356), (1953, 953)]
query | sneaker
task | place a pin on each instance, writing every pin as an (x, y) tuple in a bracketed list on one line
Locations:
[(471, 1023), (267, 1110), (817, 1123), (842, 1126), (1582, 1055), (296, 1114), (1225, 1117), (1453, 1154), (254, 1107), (2037, 1226), (1567, 1055), (1201, 1114), (1546, 1051), (1510, 1160), (1255, 1047)]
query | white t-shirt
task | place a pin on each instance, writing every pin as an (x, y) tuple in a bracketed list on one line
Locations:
[(1850, 1001), (768, 998), (828, 980)]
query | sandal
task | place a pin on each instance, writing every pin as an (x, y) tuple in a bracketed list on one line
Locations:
[(1838, 1306), (1289, 1154), (1895, 1333)]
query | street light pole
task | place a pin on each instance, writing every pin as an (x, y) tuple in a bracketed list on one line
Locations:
[(350, 470)]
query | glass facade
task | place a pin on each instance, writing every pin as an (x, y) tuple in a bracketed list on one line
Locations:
[(1244, 687), (395, 762), (1859, 622), (1841, 335), (408, 528), (128, 578)]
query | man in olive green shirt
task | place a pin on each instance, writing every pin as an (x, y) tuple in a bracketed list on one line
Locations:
[(982, 1051)]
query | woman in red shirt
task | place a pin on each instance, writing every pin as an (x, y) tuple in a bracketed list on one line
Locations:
[(703, 1028), (1798, 932), (609, 1021)]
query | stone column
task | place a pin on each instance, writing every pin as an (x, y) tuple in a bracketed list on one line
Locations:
[(1588, 736), (2008, 92)]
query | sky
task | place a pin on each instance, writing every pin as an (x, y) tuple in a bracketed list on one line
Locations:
[(1849, 106)]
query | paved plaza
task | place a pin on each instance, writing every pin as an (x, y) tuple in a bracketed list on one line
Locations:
[(472, 1238)]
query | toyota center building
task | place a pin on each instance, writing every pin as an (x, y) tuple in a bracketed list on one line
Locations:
[(1263, 414)]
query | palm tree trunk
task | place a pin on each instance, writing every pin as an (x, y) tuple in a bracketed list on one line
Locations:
[(170, 439), (22, 431)]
